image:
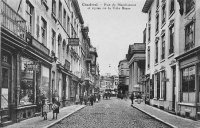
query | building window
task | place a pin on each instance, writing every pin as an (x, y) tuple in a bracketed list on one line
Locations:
[(29, 17), (163, 47), (27, 82), (68, 25), (59, 47), (189, 5), (163, 82), (156, 52), (38, 27), (60, 12), (171, 6), (152, 87), (44, 31), (64, 19), (171, 43), (163, 13), (157, 4), (53, 38), (188, 83), (148, 62), (54, 7), (157, 22), (149, 15), (158, 85), (189, 36), (149, 32), (63, 49)]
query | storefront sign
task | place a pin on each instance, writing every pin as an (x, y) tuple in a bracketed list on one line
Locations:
[(74, 41), (31, 67)]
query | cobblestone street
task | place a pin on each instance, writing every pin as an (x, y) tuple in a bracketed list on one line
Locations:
[(113, 113)]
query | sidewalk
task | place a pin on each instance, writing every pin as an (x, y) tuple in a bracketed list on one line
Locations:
[(165, 117), (39, 122)]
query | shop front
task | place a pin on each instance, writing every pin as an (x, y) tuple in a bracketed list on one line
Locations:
[(34, 86), (189, 66)]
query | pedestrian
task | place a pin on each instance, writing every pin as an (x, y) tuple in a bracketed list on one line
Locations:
[(132, 97), (85, 98), (91, 99), (55, 107), (45, 109)]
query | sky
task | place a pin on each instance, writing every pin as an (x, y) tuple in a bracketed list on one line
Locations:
[(112, 29)]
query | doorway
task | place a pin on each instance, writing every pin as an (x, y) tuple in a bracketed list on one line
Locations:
[(173, 87)]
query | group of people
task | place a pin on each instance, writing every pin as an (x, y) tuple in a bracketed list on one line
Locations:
[(91, 98), (55, 108)]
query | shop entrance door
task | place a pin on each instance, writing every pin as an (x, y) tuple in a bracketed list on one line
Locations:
[(5, 93)]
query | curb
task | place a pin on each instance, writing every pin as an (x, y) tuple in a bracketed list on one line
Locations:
[(155, 117), (64, 117)]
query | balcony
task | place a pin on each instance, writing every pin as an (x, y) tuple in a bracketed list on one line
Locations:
[(67, 65), (13, 21)]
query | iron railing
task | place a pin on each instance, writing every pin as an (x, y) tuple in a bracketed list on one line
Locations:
[(12, 21)]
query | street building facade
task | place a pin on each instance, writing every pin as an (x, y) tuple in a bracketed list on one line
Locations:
[(162, 46), (123, 69), (188, 59), (44, 54), (136, 63)]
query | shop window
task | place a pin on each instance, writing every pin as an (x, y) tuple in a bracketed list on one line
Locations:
[(163, 81), (44, 88), (188, 84), (27, 82), (188, 79), (152, 87)]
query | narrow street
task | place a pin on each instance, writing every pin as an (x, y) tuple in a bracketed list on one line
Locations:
[(113, 113)]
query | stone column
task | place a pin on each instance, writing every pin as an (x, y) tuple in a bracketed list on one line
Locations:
[(135, 77), (132, 77), (130, 80)]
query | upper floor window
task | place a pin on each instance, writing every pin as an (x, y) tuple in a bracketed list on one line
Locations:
[(64, 19), (68, 24), (157, 22), (148, 62), (44, 31), (189, 36), (149, 32), (171, 43), (157, 4), (163, 47), (53, 38), (163, 13), (171, 6), (150, 15), (156, 52), (54, 7), (189, 5), (60, 12), (29, 17)]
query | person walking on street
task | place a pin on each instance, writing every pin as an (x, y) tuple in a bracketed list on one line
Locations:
[(55, 107), (132, 97), (91, 99)]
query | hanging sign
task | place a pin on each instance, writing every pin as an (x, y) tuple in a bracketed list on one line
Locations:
[(73, 41)]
